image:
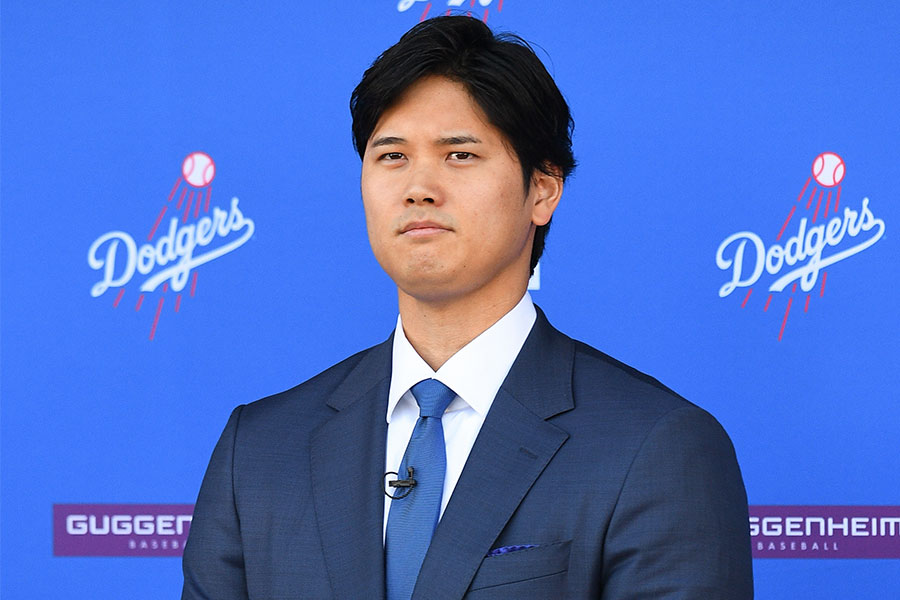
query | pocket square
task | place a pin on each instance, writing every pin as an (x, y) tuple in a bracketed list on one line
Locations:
[(508, 549)]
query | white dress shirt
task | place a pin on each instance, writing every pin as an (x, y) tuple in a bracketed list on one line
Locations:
[(475, 373)]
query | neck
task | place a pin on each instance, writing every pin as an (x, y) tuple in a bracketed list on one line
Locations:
[(437, 330)]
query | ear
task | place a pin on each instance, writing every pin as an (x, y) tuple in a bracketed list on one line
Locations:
[(546, 191)]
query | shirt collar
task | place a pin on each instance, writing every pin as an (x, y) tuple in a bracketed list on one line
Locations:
[(475, 372)]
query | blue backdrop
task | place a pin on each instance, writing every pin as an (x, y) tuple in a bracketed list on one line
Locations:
[(693, 122)]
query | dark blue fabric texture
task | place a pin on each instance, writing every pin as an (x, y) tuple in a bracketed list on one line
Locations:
[(626, 489)]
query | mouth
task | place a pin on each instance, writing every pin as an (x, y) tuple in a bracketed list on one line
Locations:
[(423, 228)]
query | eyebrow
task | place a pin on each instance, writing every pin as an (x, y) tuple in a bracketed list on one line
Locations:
[(454, 140), (457, 140), (387, 141)]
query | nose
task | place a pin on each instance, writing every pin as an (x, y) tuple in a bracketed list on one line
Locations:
[(423, 185)]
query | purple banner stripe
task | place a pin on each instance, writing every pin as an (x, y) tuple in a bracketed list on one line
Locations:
[(825, 531), (776, 531), (120, 529)]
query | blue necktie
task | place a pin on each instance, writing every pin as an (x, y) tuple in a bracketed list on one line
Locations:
[(413, 518)]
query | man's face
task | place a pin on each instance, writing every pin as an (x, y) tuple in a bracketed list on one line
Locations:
[(446, 207)]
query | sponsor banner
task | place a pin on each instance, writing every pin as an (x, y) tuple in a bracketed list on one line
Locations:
[(825, 531), (143, 530), (120, 529)]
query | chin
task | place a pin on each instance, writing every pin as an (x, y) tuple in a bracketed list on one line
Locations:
[(431, 286), (423, 271)]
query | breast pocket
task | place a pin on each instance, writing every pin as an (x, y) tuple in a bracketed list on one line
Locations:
[(538, 572)]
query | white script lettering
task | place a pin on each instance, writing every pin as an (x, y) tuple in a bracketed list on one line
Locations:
[(117, 254), (807, 245), (404, 5)]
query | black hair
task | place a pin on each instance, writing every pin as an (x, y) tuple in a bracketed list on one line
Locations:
[(502, 74)]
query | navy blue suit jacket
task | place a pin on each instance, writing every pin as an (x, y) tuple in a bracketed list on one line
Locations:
[(626, 489)]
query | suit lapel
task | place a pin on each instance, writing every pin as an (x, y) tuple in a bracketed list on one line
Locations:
[(347, 464), (514, 446)]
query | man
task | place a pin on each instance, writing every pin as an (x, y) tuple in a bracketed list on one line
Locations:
[(530, 465)]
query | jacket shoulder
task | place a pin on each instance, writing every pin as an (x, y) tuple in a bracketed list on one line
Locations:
[(619, 392), (590, 361), (313, 395)]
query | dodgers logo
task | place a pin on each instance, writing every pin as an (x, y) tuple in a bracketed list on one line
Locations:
[(819, 232), (167, 261), (458, 5)]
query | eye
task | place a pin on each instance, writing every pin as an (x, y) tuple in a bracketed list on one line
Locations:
[(461, 156), (391, 156)]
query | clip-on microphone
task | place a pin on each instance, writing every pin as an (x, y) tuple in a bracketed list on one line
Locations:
[(405, 485)]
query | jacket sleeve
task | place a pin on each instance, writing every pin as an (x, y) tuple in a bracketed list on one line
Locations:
[(680, 527), (213, 560)]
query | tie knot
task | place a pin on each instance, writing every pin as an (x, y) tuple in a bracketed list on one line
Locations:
[(433, 397)]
